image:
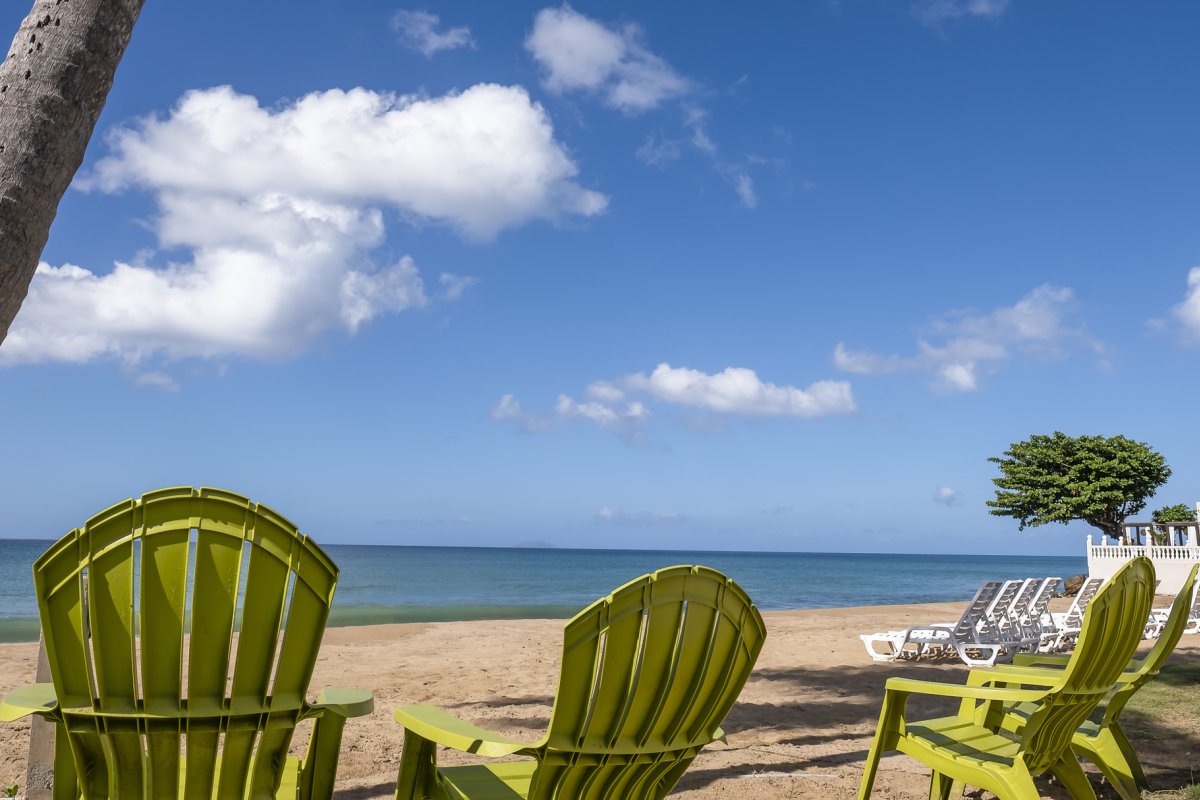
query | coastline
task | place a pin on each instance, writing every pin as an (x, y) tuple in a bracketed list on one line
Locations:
[(801, 727)]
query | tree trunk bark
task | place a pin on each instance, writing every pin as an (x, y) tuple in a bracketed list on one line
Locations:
[(53, 85)]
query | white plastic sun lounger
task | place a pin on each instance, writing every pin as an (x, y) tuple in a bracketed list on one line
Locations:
[(1159, 615), (919, 640), (1038, 620), (1068, 625), (1017, 621)]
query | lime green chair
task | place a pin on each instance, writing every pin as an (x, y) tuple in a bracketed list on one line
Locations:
[(1104, 743), (154, 696), (971, 747), (648, 674)]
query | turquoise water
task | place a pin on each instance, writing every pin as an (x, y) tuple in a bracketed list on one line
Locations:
[(428, 584)]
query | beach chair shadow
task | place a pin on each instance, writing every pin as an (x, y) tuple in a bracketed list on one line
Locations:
[(968, 748), (648, 675), (152, 693)]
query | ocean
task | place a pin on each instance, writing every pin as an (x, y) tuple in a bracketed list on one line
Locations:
[(381, 584)]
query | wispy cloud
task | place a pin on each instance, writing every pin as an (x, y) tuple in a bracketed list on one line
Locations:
[(453, 286), (963, 347), (280, 211), (946, 496), (418, 30), (615, 516), (1188, 312), (621, 405), (935, 13), (581, 54), (578, 53)]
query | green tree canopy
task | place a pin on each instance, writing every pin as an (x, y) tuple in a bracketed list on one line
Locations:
[(1058, 478), (1180, 512)]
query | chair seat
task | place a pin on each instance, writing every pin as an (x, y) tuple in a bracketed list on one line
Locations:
[(505, 780), (960, 740)]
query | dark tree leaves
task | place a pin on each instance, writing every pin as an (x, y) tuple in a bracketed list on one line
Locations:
[(1098, 479)]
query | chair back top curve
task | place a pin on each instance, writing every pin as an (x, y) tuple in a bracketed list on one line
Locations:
[(139, 608), (648, 674), (1150, 665), (1113, 623)]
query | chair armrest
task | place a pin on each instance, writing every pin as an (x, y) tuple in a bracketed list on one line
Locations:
[(430, 722), (1010, 673), (36, 698), (1041, 659), (345, 702), (1006, 695)]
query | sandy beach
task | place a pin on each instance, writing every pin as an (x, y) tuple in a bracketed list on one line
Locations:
[(800, 729)]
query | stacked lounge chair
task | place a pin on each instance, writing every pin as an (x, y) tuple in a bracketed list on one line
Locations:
[(1002, 619), (1068, 625), (1039, 618), (976, 637), (1160, 615)]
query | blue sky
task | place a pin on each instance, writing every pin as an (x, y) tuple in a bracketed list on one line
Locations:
[(667, 275)]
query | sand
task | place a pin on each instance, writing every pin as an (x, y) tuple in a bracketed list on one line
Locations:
[(800, 729)]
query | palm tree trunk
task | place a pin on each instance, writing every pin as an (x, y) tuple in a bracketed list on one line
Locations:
[(53, 85)]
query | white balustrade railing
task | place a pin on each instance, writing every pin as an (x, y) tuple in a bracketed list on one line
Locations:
[(1155, 552)]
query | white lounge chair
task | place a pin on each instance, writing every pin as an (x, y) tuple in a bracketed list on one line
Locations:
[(1017, 621), (1068, 625), (1159, 615), (1038, 619), (974, 637)]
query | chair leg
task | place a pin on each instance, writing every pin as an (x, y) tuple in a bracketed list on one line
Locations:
[(418, 769), (939, 786), (1118, 763), (878, 745), (1131, 758), (1073, 779)]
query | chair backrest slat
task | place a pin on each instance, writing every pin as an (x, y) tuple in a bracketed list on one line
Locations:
[(976, 610)]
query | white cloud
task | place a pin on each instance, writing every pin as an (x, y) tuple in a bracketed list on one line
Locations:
[(279, 211), (935, 12), (580, 53), (616, 516), (737, 390), (157, 380), (745, 189), (1041, 325), (418, 31), (453, 285), (734, 391), (946, 496), (481, 160), (658, 152), (1188, 312), (626, 420)]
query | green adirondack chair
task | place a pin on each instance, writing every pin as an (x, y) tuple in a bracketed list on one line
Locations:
[(648, 674), (1104, 743), (971, 748), (153, 695)]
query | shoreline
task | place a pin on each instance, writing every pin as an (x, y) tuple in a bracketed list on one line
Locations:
[(351, 616), (800, 728)]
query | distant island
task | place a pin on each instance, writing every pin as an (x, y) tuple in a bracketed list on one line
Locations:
[(536, 544)]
